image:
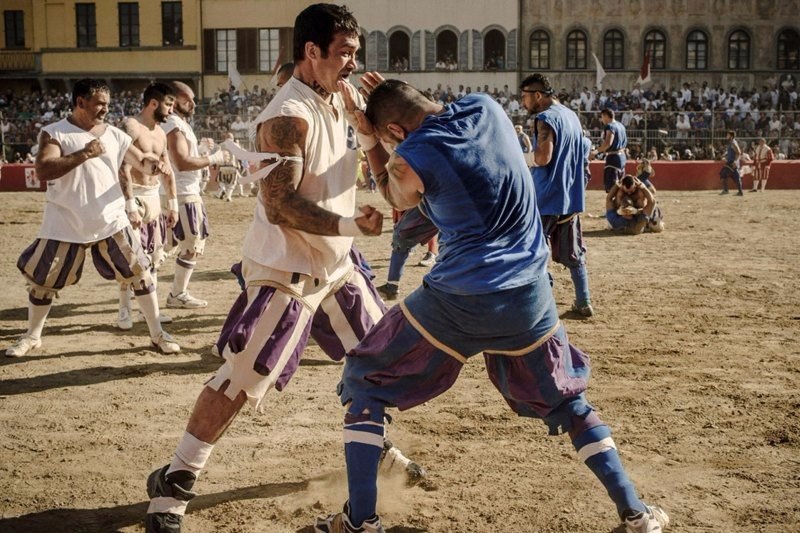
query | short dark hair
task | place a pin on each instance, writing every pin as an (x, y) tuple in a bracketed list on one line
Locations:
[(392, 101), (627, 181), (158, 91), (541, 81), (608, 112), (731, 133), (319, 24), (86, 87), (286, 68)]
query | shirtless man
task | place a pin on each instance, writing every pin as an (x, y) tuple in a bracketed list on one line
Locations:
[(632, 209), (143, 205)]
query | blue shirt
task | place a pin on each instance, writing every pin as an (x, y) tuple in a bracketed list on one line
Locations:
[(730, 155), (620, 137), (479, 194), (560, 186)]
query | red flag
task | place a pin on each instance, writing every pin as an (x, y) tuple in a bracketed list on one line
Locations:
[(644, 72)]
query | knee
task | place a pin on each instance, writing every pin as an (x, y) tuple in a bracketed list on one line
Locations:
[(364, 410)]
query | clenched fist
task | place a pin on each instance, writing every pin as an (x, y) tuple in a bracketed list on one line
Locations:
[(94, 148)]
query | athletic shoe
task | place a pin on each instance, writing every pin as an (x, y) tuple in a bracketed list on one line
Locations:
[(340, 523), (583, 309), (162, 318), (428, 260), (165, 343), (159, 487), (124, 319), (25, 344), (215, 351), (740, 193), (388, 291), (724, 192), (651, 520), (185, 300), (753, 190), (392, 456)]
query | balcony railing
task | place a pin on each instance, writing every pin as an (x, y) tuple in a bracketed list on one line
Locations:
[(17, 60)]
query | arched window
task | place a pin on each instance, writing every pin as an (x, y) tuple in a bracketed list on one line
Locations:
[(739, 50), (494, 50), (656, 42), (614, 50), (361, 55), (540, 50), (697, 51), (399, 51), (576, 49), (447, 50), (788, 50)]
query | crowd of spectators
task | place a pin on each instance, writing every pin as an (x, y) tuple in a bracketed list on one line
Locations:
[(677, 123)]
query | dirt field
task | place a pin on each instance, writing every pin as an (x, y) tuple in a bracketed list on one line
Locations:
[(696, 369)]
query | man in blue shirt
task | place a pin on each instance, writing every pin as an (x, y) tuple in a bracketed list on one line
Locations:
[(615, 141), (559, 167), (730, 170), (488, 293)]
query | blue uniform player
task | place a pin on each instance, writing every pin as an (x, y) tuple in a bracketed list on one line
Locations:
[(488, 293), (615, 140), (560, 166), (730, 170)]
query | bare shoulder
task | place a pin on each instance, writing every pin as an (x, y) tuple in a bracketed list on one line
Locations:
[(283, 135)]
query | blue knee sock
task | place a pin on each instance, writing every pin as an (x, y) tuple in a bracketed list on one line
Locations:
[(598, 451), (363, 438), (580, 278)]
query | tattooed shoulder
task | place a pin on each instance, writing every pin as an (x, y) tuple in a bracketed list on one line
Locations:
[(283, 135)]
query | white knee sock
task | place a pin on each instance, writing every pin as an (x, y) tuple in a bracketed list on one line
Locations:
[(148, 303), (763, 185), (125, 297), (755, 184), (182, 275), (191, 454), (37, 314)]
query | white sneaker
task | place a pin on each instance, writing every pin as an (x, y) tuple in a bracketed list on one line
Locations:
[(124, 320), (652, 520), (340, 523), (165, 343), (162, 318), (25, 344), (428, 260), (185, 300)]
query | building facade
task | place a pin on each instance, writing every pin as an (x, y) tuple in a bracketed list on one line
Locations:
[(742, 43)]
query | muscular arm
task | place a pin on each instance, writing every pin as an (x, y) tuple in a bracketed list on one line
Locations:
[(278, 191), (51, 164), (400, 184), (608, 140), (611, 197), (179, 153), (545, 141)]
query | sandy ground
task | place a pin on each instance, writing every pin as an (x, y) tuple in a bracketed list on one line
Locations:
[(695, 358)]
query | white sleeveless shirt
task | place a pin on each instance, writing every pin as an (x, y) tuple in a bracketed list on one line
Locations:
[(187, 181), (328, 180), (86, 204)]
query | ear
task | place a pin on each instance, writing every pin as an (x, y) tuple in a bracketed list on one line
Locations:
[(312, 50), (396, 130)]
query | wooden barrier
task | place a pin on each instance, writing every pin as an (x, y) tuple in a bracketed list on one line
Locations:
[(15, 178), (702, 175)]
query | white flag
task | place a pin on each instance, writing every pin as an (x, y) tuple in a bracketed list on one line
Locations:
[(600, 72), (234, 78)]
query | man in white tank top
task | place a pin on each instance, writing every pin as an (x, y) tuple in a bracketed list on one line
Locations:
[(300, 279), (80, 158), (190, 233), (145, 215)]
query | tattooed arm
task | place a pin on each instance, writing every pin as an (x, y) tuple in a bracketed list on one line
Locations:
[(399, 184), (278, 191), (545, 140)]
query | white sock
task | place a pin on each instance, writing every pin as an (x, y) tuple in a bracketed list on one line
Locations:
[(191, 454), (755, 184), (148, 303), (125, 297), (182, 275), (763, 185), (37, 314)]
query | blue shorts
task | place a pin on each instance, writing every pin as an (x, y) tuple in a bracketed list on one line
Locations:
[(416, 351), (619, 222), (565, 238)]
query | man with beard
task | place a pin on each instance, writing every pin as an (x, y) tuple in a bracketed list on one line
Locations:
[(191, 230), (143, 205), (299, 275), (80, 157)]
